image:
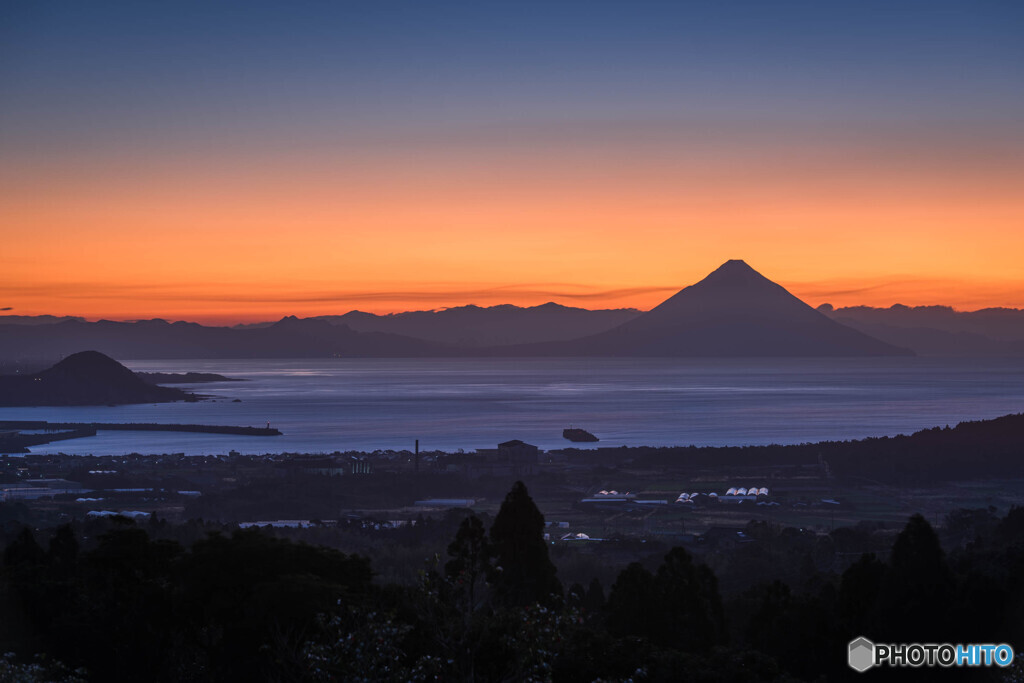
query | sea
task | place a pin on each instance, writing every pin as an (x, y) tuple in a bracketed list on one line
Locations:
[(329, 405)]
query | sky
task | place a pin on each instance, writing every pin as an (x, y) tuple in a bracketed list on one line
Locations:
[(227, 162)]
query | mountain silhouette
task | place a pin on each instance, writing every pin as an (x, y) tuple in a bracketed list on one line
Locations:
[(290, 337), (733, 312), (939, 330), (478, 326), (84, 378)]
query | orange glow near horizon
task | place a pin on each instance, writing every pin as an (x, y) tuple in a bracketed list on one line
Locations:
[(239, 305), (606, 225)]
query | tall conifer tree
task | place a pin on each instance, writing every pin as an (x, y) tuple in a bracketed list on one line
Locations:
[(524, 573)]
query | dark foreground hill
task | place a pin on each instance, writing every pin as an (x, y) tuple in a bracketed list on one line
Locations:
[(85, 378), (970, 450), (733, 312)]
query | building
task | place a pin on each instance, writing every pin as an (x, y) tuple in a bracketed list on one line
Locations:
[(31, 489), (330, 466), (510, 459)]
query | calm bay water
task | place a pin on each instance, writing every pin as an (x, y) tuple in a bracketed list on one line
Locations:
[(367, 404)]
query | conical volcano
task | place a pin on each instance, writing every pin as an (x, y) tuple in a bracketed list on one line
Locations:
[(735, 311)]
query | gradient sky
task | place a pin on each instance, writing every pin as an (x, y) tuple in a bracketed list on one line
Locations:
[(241, 161)]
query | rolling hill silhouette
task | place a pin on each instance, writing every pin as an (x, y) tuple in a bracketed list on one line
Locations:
[(85, 378), (733, 312)]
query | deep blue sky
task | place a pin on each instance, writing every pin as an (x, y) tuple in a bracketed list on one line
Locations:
[(73, 70)]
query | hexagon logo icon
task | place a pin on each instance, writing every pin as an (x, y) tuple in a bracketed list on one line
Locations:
[(861, 654)]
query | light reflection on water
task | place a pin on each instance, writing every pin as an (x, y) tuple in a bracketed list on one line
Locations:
[(366, 404)]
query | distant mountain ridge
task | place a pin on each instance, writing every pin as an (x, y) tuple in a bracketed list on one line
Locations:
[(939, 330), (733, 312), (84, 378), (476, 326), (158, 339), (37, 319), (355, 334)]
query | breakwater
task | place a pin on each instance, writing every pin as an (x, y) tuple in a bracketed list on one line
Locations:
[(37, 425), (15, 442)]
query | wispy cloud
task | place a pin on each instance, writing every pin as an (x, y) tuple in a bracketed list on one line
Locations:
[(469, 295), (230, 294), (819, 290)]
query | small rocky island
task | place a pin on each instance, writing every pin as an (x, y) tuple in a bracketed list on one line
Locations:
[(85, 379), (578, 435)]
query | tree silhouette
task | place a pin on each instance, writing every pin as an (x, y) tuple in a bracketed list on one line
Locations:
[(470, 564), (918, 587), (689, 603), (63, 553), (594, 601), (633, 602), (523, 572), (859, 591)]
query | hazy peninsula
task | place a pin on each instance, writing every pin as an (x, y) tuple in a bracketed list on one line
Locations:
[(84, 378)]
